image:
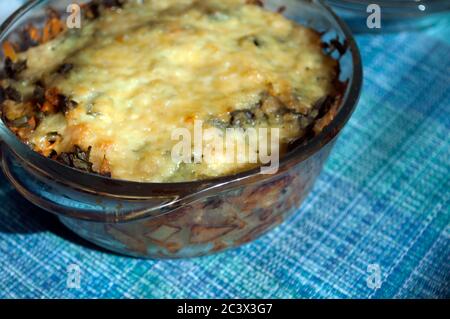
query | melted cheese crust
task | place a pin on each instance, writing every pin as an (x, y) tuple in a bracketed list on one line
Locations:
[(151, 67)]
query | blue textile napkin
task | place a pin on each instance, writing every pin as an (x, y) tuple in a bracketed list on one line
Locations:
[(376, 225)]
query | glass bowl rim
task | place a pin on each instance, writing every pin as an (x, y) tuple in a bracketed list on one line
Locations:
[(299, 154), (402, 7)]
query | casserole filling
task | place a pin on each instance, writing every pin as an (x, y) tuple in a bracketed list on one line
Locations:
[(107, 97)]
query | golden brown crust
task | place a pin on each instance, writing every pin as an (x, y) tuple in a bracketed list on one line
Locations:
[(269, 83)]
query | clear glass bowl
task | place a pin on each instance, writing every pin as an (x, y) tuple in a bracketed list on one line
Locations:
[(396, 15), (175, 220)]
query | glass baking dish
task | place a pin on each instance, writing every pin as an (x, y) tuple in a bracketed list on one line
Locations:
[(395, 15), (177, 220)]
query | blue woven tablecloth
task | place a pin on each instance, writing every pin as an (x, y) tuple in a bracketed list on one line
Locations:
[(380, 210)]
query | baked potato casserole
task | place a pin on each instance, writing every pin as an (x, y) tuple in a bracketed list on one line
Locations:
[(106, 98)]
